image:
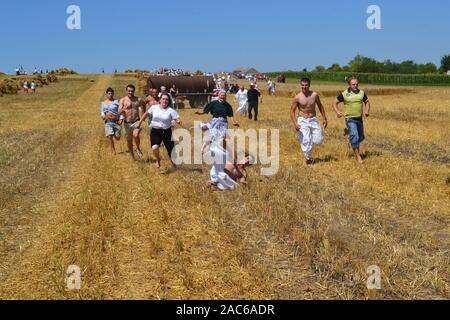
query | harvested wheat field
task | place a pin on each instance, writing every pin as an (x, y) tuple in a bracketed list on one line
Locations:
[(309, 232)]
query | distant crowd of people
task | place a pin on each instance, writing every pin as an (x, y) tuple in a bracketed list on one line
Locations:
[(20, 71)]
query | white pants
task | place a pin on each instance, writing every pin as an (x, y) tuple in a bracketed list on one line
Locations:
[(222, 180), (218, 175), (310, 134), (242, 107)]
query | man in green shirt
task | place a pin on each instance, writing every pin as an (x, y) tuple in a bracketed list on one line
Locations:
[(355, 103), (221, 110)]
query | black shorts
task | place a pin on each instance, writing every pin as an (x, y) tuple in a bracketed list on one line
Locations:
[(160, 136)]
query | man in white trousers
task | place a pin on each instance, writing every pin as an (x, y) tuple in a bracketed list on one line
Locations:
[(310, 131), (242, 98)]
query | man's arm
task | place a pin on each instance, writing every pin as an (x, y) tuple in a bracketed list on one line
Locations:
[(322, 111), (143, 118), (338, 112), (103, 113), (339, 99), (142, 108), (244, 179), (293, 114), (367, 106), (121, 107)]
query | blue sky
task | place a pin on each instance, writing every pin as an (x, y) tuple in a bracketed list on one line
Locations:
[(218, 35)]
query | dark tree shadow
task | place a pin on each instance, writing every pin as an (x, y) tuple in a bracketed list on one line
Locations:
[(189, 169), (326, 159), (371, 154), (367, 154)]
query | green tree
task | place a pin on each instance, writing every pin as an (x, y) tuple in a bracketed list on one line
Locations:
[(320, 69), (427, 68), (445, 63), (335, 68), (408, 67)]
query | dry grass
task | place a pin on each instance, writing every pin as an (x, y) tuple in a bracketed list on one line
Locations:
[(306, 233)]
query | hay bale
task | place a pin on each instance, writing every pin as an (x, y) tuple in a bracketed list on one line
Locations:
[(62, 72), (9, 86), (51, 78)]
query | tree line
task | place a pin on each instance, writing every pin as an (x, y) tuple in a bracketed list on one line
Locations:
[(362, 64)]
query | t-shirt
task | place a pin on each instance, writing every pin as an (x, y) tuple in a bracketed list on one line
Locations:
[(113, 108), (253, 96), (219, 109), (353, 102), (162, 118)]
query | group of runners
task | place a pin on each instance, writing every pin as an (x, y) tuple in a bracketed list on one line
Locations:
[(356, 106), (228, 171)]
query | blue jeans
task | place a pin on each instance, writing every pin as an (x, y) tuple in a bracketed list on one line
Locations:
[(355, 128)]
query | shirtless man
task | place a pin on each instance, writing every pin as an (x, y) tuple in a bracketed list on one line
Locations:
[(132, 108), (307, 124), (236, 170), (226, 172), (152, 99)]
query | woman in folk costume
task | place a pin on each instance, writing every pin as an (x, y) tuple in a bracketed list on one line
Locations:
[(242, 98)]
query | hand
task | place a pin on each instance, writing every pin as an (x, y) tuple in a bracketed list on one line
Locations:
[(367, 114), (297, 127), (325, 123), (236, 124), (179, 122), (339, 114), (198, 113)]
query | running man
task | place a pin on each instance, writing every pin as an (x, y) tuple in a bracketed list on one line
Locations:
[(132, 107), (355, 103), (253, 101), (150, 101), (310, 131), (113, 122), (221, 110)]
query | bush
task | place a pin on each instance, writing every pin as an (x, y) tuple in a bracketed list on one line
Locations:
[(62, 72), (9, 86)]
